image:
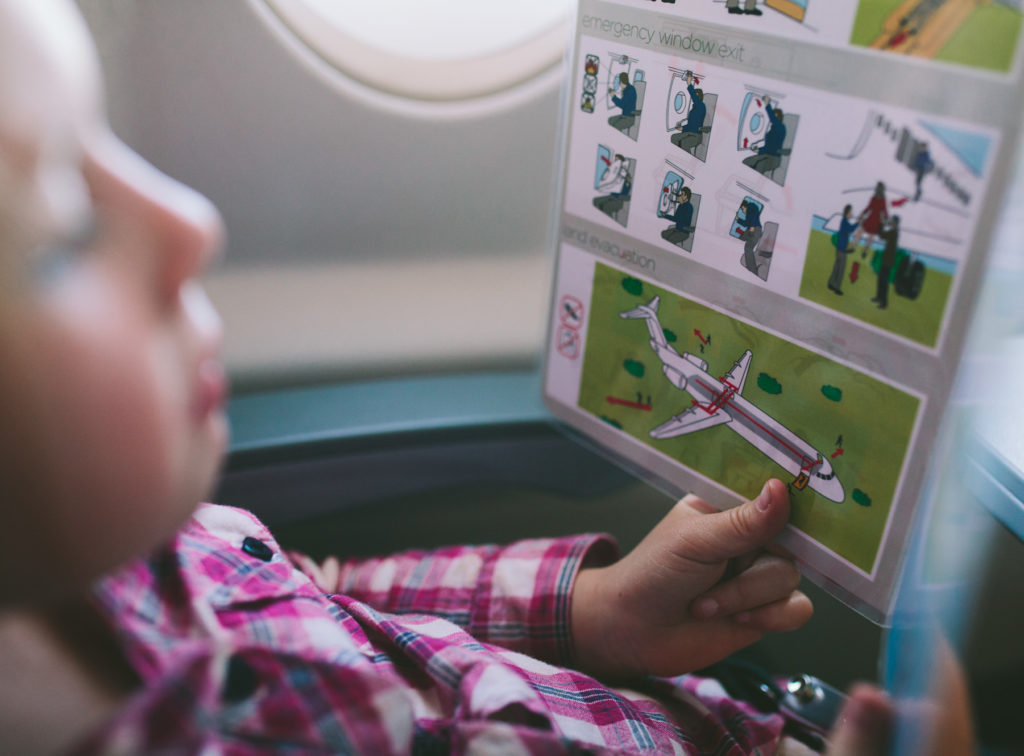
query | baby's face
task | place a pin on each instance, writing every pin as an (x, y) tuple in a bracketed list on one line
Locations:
[(111, 387)]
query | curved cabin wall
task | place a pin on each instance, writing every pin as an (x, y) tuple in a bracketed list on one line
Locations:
[(368, 234)]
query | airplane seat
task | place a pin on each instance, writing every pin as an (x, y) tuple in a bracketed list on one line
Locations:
[(693, 146), (670, 236), (693, 149), (700, 150), (621, 215), (687, 243), (778, 173), (641, 90), (684, 141)]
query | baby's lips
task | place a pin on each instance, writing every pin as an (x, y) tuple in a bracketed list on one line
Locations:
[(211, 388)]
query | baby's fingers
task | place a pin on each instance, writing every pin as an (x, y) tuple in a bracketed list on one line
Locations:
[(767, 580), (780, 617)]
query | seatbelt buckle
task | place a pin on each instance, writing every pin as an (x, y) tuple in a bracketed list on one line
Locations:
[(811, 702)]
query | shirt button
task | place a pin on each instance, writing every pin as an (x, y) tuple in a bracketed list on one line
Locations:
[(255, 547), (240, 682)]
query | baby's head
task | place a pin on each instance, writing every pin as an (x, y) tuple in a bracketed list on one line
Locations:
[(111, 390)]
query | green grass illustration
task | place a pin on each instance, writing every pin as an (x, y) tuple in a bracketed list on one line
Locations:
[(916, 319), (874, 419), (987, 39)]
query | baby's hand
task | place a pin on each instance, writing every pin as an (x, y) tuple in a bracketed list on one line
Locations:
[(943, 725), (699, 587)]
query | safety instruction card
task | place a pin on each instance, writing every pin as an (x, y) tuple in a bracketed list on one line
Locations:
[(773, 220)]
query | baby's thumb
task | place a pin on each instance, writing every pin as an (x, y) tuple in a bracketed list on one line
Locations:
[(716, 537), (864, 725)]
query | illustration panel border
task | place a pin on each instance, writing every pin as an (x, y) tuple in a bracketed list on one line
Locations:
[(873, 428)]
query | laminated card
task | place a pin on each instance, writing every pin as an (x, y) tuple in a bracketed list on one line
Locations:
[(774, 216)]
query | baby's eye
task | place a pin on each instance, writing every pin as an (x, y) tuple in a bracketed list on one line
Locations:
[(56, 257)]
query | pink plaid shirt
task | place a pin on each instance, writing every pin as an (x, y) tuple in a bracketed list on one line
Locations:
[(244, 649)]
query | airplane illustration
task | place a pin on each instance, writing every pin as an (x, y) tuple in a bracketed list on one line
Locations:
[(720, 401)]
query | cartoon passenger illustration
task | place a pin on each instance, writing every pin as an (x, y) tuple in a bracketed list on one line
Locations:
[(890, 234), (749, 218), (768, 156), (871, 219), (749, 7), (612, 203), (689, 113), (935, 29), (616, 181), (613, 171), (682, 219), (691, 133), (758, 236), (626, 102), (922, 165), (931, 173), (843, 248)]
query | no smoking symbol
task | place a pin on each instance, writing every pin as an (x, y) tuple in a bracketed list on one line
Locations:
[(568, 341), (570, 312)]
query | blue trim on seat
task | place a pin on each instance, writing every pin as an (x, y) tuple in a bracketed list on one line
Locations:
[(274, 420)]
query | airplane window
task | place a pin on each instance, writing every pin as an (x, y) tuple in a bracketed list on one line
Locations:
[(432, 50)]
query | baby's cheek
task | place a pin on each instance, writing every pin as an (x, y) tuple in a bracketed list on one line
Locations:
[(111, 441)]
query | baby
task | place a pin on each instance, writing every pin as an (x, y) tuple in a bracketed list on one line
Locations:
[(133, 622)]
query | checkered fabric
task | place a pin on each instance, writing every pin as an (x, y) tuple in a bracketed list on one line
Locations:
[(243, 649)]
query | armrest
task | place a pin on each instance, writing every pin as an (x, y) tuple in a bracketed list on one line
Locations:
[(303, 452)]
